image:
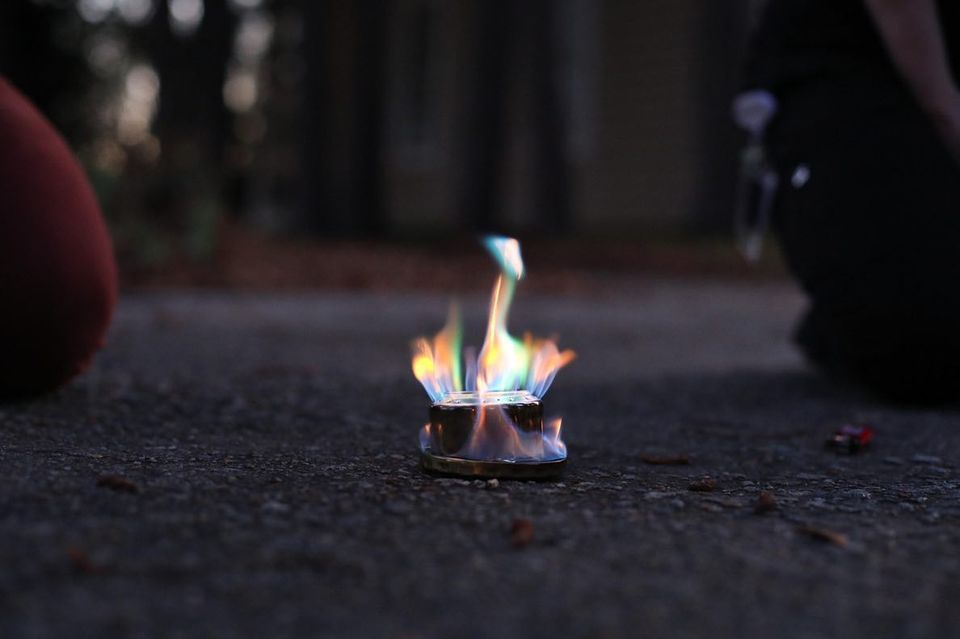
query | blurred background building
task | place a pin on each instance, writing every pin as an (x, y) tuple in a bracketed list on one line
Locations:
[(397, 118)]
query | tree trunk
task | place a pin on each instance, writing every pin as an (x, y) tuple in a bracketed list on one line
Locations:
[(550, 176), (342, 143), (483, 126)]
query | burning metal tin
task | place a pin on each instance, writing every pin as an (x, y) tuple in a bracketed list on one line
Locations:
[(453, 420), (469, 432)]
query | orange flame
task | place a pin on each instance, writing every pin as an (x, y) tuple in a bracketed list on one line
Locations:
[(436, 364)]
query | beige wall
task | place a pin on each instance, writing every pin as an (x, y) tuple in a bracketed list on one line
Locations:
[(642, 174)]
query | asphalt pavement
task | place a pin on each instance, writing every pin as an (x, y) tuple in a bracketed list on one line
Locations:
[(245, 465)]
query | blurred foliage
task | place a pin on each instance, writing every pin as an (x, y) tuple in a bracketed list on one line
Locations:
[(159, 217), (138, 88)]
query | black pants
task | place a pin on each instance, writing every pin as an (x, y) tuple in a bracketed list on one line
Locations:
[(873, 235)]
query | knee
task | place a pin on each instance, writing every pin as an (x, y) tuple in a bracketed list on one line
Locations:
[(907, 355), (57, 273)]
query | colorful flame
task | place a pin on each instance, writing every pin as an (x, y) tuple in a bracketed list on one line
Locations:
[(505, 362), (449, 372)]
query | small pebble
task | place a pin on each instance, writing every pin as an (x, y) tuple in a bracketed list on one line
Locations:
[(274, 507), (704, 485), (766, 502), (117, 483), (521, 532), (656, 494), (824, 535)]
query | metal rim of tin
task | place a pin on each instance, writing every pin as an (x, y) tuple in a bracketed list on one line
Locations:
[(486, 469)]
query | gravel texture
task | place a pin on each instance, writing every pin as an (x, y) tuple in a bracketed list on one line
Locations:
[(240, 465)]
